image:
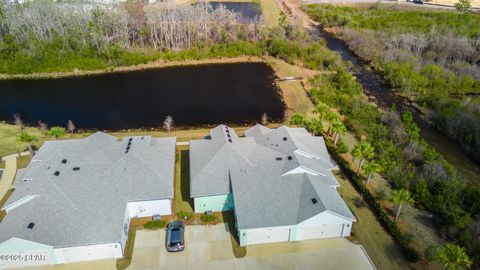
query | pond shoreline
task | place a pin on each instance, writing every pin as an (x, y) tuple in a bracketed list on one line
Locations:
[(151, 65)]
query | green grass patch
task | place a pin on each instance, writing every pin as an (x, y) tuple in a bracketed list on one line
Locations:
[(154, 224), (183, 201), (396, 20), (209, 218)]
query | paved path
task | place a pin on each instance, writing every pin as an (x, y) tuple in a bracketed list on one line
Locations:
[(182, 143), (8, 174)]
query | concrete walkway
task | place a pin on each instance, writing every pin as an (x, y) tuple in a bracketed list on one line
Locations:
[(182, 143), (9, 173)]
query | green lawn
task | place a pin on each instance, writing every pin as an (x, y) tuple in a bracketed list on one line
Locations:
[(8, 135), (271, 11), (183, 202)]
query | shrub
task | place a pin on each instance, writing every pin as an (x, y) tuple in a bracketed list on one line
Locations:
[(184, 215), (207, 218), (153, 225), (56, 132), (342, 148)]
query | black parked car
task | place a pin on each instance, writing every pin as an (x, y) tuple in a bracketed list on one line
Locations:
[(174, 239)]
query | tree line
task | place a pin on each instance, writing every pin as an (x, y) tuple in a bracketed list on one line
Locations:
[(430, 57)]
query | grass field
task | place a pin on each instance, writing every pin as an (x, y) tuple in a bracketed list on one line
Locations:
[(183, 202), (396, 19)]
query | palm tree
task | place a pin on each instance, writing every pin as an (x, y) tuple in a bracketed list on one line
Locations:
[(331, 117), (315, 126), (453, 257), (338, 128), (322, 110), (25, 137), (370, 168), (399, 197), (363, 151)]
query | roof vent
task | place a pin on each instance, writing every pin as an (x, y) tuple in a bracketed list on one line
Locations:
[(314, 201), (279, 158), (64, 161), (31, 225), (284, 139), (228, 131), (229, 140), (76, 168), (289, 157), (126, 151), (56, 173), (228, 135), (128, 147), (130, 140)]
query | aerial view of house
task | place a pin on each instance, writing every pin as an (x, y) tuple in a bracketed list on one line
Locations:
[(240, 134), (75, 199), (278, 182)]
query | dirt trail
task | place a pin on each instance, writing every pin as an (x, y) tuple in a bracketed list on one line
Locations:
[(294, 12)]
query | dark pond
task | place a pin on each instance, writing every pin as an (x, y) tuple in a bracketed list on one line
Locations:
[(192, 95), (248, 11)]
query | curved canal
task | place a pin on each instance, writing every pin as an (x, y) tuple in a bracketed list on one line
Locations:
[(379, 92)]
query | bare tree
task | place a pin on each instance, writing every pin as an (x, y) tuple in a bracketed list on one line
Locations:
[(264, 120), (17, 121), (70, 126), (42, 126), (168, 123)]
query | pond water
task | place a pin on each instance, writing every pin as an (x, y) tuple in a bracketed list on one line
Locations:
[(248, 11), (192, 95)]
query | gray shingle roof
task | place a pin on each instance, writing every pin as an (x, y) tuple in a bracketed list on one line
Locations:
[(88, 206), (268, 190)]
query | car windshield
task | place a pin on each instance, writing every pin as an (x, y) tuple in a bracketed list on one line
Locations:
[(175, 236)]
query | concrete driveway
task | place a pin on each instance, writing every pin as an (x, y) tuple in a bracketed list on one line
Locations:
[(210, 247)]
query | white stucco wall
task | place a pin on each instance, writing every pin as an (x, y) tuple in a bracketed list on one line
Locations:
[(87, 253), (149, 208)]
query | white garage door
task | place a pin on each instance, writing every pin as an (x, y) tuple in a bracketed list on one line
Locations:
[(268, 235), (87, 253), (322, 231)]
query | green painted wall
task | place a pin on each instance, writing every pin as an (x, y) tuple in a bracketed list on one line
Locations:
[(293, 233), (243, 237), (16, 245), (215, 203)]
